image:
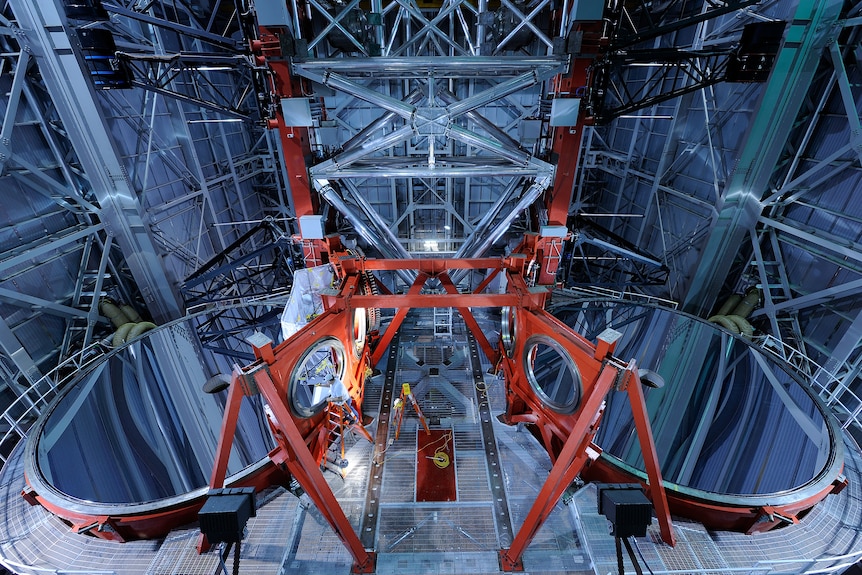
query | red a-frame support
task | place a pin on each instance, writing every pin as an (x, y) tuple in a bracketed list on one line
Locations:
[(574, 456)]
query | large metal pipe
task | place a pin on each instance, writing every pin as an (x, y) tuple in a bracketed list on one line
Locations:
[(530, 196), (376, 220), (481, 121), (398, 168), (366, 149), (502, 90), (485, 223), (422, 66), (466, 136), (325, 189), (497, 231), (359, 91), (366, 133)]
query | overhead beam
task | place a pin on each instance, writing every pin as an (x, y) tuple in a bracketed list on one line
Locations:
[(51, 307), (34, 250), (423, 66), (817, 298), (795, 65), (14, 350)]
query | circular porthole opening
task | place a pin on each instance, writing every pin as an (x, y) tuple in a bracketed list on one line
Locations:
[(553, 374), (309, 383)]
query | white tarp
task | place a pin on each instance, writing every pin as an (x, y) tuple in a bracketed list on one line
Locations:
[(305, 303)]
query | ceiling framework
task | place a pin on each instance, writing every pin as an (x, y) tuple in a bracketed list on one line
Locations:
[(124, 193), (672, 179), (430, 133), (805, 248), (443, 138), (57, 255)]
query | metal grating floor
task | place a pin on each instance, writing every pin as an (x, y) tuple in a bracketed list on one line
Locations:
[(289, 536)]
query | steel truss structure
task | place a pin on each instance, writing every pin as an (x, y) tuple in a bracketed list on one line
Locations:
[(444, 130)]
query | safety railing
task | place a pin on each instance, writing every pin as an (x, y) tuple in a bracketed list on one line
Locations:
[(832, 389), (26, 408), (278, 297), (819, 566), (23, 568), (600, 292), (828, 564)]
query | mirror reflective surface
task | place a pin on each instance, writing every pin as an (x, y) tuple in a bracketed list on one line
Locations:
[(138, 426), (729, 419)]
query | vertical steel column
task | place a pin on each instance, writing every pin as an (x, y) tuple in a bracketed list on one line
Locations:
[(795, 66), (294, 142), (82, 116)]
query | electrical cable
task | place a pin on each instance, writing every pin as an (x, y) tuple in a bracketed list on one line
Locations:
[(445, 439), (638, 549)]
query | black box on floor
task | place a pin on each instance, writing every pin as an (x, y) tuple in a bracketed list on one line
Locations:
[(626, 507), (225, 514)]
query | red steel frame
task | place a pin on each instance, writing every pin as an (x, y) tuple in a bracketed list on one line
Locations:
[(302, 441), (301, 447)]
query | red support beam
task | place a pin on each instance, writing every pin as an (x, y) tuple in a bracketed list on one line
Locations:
[(487, 281), (567, 141), (304, 468), (235, 394), (431, 267), (392, 329), (296, 149), (563, 469), (294, 140), (492, 354), (436, 300), (656, 488)]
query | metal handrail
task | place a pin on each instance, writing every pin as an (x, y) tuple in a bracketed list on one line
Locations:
[(42, 391), (597, 291), (831, 388), (844, 561), (278, 297), (24, 568)]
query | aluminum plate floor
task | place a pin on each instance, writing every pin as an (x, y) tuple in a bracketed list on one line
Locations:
[(499, 471)]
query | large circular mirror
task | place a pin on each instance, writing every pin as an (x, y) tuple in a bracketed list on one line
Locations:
[(731, 422)]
